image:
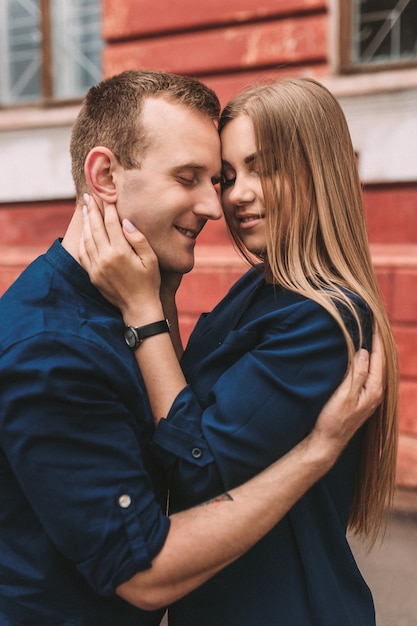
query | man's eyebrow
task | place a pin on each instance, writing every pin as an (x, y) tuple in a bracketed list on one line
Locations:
[(199, 167), (189, 166)]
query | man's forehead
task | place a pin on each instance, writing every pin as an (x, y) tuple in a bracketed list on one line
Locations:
[(158, 113), (196, 160), (185, 137)]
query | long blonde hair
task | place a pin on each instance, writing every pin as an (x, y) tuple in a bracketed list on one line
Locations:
[(318, 246)]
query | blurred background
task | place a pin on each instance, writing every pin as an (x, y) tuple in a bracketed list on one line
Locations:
[(365, 51)]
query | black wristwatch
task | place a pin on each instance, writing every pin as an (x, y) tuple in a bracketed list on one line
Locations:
[(134, 335)]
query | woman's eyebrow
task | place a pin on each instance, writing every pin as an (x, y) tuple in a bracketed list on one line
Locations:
[(247, 160), (250, 159)]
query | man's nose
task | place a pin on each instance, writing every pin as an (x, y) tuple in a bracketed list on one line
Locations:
[(209, 205)]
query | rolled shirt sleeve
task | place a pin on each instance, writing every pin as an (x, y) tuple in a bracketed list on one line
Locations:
[(77, 448)]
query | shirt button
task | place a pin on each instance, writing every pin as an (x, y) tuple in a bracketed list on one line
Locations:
[(125, 501), (196, 453)]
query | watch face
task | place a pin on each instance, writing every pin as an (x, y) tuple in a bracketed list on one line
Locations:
[(131, 338)]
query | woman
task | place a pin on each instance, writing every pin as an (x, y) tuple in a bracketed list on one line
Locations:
[(260, 366)]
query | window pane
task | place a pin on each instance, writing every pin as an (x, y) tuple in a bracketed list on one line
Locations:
[(384, 31), (76, 46), (21, 52)]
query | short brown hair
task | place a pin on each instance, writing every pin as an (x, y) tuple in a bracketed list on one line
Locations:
[(110, 115)]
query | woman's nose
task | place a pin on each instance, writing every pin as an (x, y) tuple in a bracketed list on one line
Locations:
[(240, 192)]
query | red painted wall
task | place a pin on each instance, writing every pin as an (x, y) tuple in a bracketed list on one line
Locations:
[(227, 44)]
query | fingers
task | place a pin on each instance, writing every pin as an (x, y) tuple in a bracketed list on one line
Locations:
[(359, 371), (139, 243), (95, 247), (102, 238), (346, 397), (96, 225), (367, 374), (102, 232), (105, 244), (86, 246), (111, 221), (356, 398), (90, 236), (377, 362)]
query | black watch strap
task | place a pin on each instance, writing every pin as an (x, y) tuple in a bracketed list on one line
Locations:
[(134, 335)]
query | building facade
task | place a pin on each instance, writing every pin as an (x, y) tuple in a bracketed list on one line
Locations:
[(365, 52)]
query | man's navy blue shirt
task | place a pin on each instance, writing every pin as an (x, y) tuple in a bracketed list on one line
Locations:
[(78, 513)]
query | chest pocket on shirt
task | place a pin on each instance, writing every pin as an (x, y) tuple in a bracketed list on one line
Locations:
[(218, 359)]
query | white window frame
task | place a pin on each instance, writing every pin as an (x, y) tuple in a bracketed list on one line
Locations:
[(348, 41), (69, 51)]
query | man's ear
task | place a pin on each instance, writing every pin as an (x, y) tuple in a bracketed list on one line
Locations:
[(99, 168)]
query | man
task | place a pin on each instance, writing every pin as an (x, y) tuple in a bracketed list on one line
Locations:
[(84, 540)]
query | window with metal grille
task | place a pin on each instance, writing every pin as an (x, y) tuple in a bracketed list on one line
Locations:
[(49, 49), (377, 34)]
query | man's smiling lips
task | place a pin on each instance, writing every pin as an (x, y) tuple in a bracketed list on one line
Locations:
[(192, 234)]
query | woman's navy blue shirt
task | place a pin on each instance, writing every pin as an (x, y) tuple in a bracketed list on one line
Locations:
[(259, 368)]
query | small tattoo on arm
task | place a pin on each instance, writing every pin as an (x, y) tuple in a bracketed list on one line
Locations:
[(223, 497)]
